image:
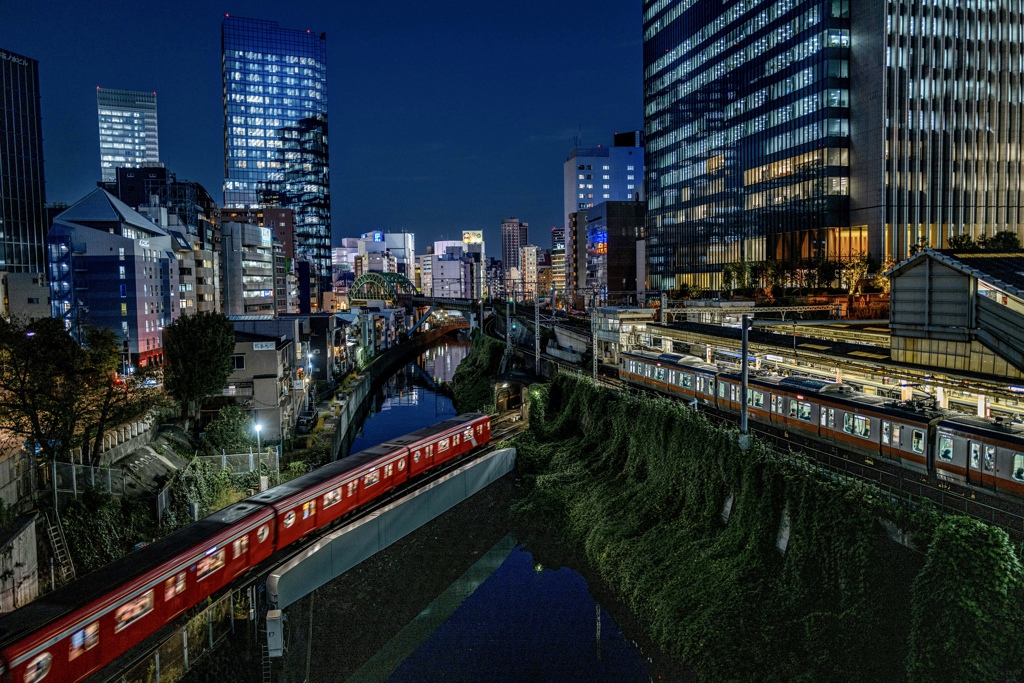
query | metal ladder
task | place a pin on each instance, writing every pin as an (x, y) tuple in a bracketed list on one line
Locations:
[(65, 570), (266, 664)]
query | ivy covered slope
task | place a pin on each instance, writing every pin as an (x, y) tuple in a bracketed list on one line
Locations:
[(471, 384), (641, 485)]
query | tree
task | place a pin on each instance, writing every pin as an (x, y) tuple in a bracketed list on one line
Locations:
[(199, 350), (962, 242), (114, 400), (231, 430), (855, 270), (1000, 241), (882, 281)]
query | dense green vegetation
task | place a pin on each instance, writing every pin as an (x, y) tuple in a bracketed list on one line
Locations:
[(471, 384), (641, 485)]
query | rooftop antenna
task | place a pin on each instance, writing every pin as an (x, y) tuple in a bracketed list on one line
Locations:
[(578, 138)]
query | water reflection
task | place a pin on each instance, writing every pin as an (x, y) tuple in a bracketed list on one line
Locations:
[(523, 623), (411, 399)]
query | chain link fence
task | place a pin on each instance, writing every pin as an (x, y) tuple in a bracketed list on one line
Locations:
[(69, 481), (266, 461)]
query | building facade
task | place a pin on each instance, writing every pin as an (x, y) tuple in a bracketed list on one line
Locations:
[(558, 258), (247, 269), (613, 229), (23, 222), (129, 135), (514, 236), (825, 129), (275, 128), (112, 267), (592, 175)]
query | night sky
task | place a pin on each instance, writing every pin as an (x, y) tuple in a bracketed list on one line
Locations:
[(445, 116)]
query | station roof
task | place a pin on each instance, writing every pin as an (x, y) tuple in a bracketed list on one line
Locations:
[(1002, 270)]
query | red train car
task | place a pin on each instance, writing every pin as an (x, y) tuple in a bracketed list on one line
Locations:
[(74, 631)]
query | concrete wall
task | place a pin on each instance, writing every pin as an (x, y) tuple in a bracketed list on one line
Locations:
[(19, 571)]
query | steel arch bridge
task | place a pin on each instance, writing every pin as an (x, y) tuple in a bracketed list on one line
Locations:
[(384, 286)]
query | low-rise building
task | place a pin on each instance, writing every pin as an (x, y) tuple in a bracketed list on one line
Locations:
[(266, 382)]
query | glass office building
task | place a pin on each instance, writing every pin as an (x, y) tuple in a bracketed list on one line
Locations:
[(809, 129), (275, 128), (129, 136), (23, 222), (747, 123)]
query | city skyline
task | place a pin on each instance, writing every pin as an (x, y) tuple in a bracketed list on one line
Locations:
[(462, 153)]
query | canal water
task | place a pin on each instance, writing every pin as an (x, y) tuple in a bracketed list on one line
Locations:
[(507, 618)]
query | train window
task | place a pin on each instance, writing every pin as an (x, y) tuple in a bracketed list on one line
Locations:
[(774, 399), (214, 561), (456, 440), (479, 429), (822, 416), (308, 509), (442, 445), (468, 434), (732, 392), (685, 380), (755, 398), (353, 486), (430, 450), (240, 547), (990, 458), (85, 639), (632, 366), (886, 429), (389, 469), (659, 374), (945, 451), (721, 390), (416, 456), (831, 418), (897, 430), (263, 534), (332, 498), (401, 464), (130, 612), (917, 442), (289, 519), (858, 425), (371, 478), (38, 668), (174, 586), (1018, 467), (711, 386), (801, 410)]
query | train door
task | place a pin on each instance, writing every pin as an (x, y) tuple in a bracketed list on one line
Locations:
[(974, 468), (988, 466)]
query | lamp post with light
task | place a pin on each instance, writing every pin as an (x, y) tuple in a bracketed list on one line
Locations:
[(258, 428)]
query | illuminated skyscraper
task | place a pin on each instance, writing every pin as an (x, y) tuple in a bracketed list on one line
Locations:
[(129, 137), (275, 128), (22, 193), (825, 129)]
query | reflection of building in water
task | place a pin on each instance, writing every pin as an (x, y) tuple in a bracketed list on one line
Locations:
[(407, 397), (443, 360)]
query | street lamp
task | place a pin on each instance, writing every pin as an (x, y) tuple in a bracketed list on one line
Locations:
[(259, 428)]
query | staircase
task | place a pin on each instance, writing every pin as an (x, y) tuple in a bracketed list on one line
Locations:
[(64, 568), (266, 664)]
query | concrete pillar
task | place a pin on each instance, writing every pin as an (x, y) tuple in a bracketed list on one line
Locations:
[(940, 398), (982, 406), (906, 392)]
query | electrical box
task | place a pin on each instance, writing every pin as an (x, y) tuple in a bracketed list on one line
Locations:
[(275, 633)]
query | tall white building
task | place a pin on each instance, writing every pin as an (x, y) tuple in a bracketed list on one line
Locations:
[(529, 258), (128, 130)]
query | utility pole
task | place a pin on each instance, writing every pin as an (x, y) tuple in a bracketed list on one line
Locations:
[(536, 335)]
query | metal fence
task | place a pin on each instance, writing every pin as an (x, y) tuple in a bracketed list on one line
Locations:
[(268, 460), (172, 658), (69, 481)]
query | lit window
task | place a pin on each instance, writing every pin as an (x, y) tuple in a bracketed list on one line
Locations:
[(240, 547), (174, 586), (1018, 467), (308, 509), (38, 668), (132, 611), (289, 519), (917, 442), (371, 478), (210, 564), (332, 498), (263, 533), (85, 639), (442, 445), (945, 451)]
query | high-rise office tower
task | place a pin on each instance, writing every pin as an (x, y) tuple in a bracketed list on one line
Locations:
[(824, 129), (23, 221), (275, 129), (514, 236), (129, 136), (558, 257)]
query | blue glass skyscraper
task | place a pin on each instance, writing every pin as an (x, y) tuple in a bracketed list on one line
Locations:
[(275, 128)]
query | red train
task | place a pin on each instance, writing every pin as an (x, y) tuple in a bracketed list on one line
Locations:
[(977, 452), (72, 632)]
